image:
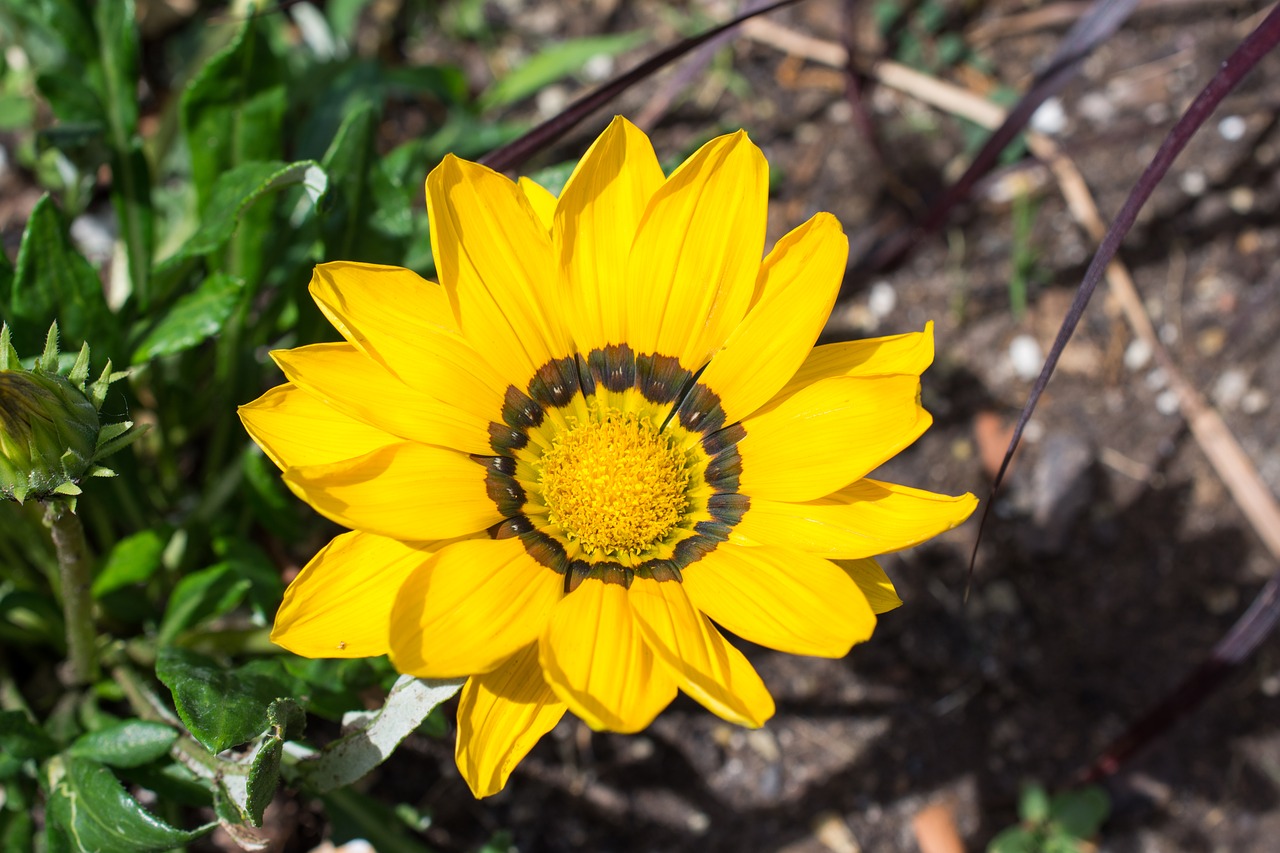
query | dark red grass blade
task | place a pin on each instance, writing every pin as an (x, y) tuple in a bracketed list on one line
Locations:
[(1261, 617), (1232, 650), (512, 155), (1094, 27)]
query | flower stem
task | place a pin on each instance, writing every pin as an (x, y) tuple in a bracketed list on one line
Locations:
[(74, 569)]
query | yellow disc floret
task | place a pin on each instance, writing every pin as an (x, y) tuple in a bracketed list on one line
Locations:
[(615, 484)]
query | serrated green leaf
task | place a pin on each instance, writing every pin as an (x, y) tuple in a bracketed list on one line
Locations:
[(132, 560), (558, 60), (221, 707), (351, 757), (201, 596), (22, 738), (193, 319), (130, 743), (97, 815), (53, 281), (236, 191), (264, 778), (288, 717)]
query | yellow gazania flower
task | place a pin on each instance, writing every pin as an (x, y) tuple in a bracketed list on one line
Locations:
[(605, 432)]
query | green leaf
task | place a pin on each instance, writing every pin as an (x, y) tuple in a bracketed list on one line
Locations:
[(127, 744), (193, 319), (53, 281), (232, 112), (350, 161), (288, 717), (1033, 807), (1081, 813), (201, 596), (1014, 840), (558, 60), (221, 707), (97, 816), (264, 778), (22, 738), (133, 560), (378, 734), (235, 192)]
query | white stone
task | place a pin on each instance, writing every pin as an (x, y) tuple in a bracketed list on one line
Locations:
[(1232, 128), (598, 68), (1230, 388), (1254, 401), (1137, 355), (882, 300), (1049, 118), (1026, 356), (1193, 182), (1167, 402)]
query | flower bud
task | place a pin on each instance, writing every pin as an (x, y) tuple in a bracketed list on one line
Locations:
[(50, 434)]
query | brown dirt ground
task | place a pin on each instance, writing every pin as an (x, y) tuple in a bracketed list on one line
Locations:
[(1114, 559)]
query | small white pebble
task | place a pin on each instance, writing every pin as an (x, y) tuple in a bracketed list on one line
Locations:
[(1270, 685), (1232, 128), (882, 300), (1193, 182), (1157, 379), (1027, 357), (840, 112), (1240, 199), (1049, 118), (1156, 112), (1033, 431), (1137, 355), (552, 100), (1168, 334), (1096, 107), (1254, 401), (598, 68), (1230, 388), (1167, 402)]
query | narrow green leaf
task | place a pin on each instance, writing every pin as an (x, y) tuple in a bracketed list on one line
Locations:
[(22, 738), (201, 596), (53, 281), (126, 744), (351, 757), (132, 560), (558, 60), (236, 191), (233, 109), (95, 813), (221, 707), (193, 319), (348, 162)]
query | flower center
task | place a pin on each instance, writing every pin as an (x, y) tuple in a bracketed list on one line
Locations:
[(616, 484)]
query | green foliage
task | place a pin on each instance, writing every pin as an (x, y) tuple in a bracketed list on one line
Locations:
[(249, 163), (1060, 824)]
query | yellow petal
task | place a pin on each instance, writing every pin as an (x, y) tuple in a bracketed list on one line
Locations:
[(596, 221), (597, 661), (863, 519), (356, 385), (495, 261), (692, 269), (294, 428), (704, 665), (406, 323), (781, 598), (339, 605), (470, 607), (542, 200), (407, 491), (873, 582), (501, 715), (829, 434), (909, 354), (797, 283)]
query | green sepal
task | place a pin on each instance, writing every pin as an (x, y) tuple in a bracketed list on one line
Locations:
[(8, 355), (48, 362)]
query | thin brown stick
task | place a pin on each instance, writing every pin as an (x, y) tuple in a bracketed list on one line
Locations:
[(1064, 14), (1225, 454)]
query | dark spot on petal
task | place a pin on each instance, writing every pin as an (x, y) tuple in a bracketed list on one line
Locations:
[(661, 378), (555, 383), (504, 439), (700, 410), (723, 439), (519, 411)]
